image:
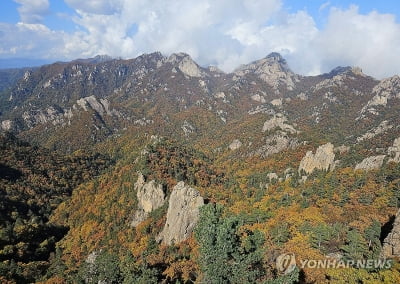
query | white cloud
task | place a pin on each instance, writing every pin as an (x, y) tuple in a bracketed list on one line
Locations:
[(370, 41), (226, 33), (104, 7), (324, 6), (32, 11)]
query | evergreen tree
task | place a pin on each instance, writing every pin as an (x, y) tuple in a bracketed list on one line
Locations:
[(224, 256)]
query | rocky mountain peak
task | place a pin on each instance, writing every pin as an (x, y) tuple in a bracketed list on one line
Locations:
[(273, 69), (154, 56), (97, 59), (347, 70), (277, 58), (185, 64), (388, 87), (273, 61)]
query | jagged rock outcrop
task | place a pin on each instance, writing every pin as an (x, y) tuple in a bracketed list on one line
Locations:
[(49, 115), (188, 128), (371, 163), (387, 89), (272, 69), (58, 116), (272, 176), (182, 215), (323, 159), (7, 125), (391, 244), (342, 149), (383, 127), (276, 102), (258, 98), (394, 151), (150, 196), (276, 143), (337, 78), (278, 121), (185, 64), (236, 144), (101, 106)]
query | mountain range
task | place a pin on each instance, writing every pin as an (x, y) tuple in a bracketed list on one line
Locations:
[(275, 162)]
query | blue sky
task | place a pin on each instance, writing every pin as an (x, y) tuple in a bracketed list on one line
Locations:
[(314, 36)]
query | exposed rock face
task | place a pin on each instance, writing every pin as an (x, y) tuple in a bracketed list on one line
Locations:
[(182, 215), (391, 244), (258, 98), (394, 151), (335, 81), (272, 176), (236, 144), (342, 149), (7, 125), (276, 143), (385, 90), (220, 95), (381, 128), (278, 121), (101, 107), (276, 102), (273, 69), (371, 163), (188, 128), (51, 114), (186, 64), (323, 159), (59, 116), (302, 96), (150, 197)]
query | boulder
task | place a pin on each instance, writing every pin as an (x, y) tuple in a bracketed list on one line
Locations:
[(236, 144)]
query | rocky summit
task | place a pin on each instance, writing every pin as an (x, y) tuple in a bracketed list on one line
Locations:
[(159, 170)]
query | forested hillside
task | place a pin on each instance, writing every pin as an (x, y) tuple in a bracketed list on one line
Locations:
[(33, 183)]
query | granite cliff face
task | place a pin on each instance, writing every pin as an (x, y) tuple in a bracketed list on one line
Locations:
[(386, 90), (278, 121), (371, 163), (394, 151), (182, 215), (323, 159), (272, 69), (391, 244), (150, 197)]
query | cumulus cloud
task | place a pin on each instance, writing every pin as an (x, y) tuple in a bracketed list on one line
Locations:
[(225, 33), (370, 41), (32, 11), (36, 41)]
